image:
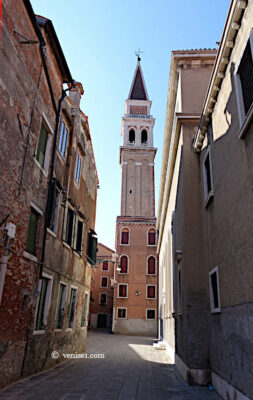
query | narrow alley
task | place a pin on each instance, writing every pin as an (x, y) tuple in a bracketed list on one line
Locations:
[(131, 369)]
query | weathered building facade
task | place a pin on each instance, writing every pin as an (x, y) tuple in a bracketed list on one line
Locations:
[(102, 288), (210, 253), (135, 290), (48, 198), (190, 72)]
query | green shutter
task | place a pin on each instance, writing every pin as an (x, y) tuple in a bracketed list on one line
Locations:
[(41, 150), (85, 304), (41, 306), (58, 321), (32, 232)]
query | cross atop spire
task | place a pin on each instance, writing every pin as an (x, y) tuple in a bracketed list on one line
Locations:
[(137, 53), (138, 89)]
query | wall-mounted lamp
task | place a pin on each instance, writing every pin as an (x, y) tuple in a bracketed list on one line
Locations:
[(137, 293)]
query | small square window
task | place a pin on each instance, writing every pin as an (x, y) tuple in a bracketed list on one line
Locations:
[(150, 314), (121, 313), (122, 290), (214, 290), (150, 291)]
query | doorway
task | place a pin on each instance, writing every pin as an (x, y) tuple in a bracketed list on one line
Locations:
[(102, 321)]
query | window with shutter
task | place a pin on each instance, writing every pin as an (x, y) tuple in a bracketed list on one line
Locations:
[(245, 72), (151, 265), (124, 264), (125, 236), (42, 145), (104, 281), (105, 266), (32, 232), (151, 292), (151, 237), (122, 290), (72, 307)]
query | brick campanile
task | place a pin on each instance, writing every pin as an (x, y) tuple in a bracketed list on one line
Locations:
[(135, 289)]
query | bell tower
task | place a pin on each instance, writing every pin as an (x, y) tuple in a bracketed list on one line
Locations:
[(137, 153), (135, 287)]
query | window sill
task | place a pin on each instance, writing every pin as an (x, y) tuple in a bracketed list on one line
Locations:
[(216, 311), (66, 245), (122, 297), (122, 244), (57, 330), (151, 274), (69, 330), (150, 298), (151, 245), (51, 233), (209, 198), (30, 256), (120, 318), (41, 168), (246, 122), (77, 254), (62, 159), (123, 273), (38, 332)]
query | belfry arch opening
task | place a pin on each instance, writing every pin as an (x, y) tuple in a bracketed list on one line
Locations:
[(144, 136), (132, 136)]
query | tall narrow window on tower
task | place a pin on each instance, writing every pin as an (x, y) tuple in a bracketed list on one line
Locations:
[(132, 136), (151, 237), (124, 236), (144, 136), (208, 178)]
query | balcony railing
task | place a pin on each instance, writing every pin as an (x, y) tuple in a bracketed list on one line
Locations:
[(137, 116)]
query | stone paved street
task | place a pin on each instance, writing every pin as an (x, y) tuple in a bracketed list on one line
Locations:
[(131, 369)]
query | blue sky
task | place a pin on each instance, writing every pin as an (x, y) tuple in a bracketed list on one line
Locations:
[(99, 39)]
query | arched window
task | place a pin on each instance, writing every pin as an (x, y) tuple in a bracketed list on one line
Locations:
[(144, 136), (131, 136), (125, 236), (151, 237), (124, 264), (151, 265)]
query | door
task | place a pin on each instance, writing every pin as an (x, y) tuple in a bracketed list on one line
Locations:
[(102, 321)]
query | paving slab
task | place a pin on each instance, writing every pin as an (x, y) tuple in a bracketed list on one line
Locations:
[(130, 370)]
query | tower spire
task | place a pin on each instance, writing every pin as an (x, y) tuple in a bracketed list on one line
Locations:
[(138, 89)]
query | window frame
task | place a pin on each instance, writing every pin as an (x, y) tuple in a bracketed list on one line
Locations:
[(72, 287), (84, 319), (155, 265), (151, 245), (150, 309), (121, 308), (122, 297), (66, 136), (144, 130), (150, 298), (208, 195), (107, 263), (63, 302), (244, 118), (100, 298), (125, 244), (38, 213), (124, 255), (46, 306), (101, 279), (214, 310), (78, 168), (44, 168)]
